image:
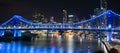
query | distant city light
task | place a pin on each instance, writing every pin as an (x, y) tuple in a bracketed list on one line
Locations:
[(93, 16), (101, 8)]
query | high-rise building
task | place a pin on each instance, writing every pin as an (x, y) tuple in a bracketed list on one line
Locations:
[(103, 7), (64, 16), (71, 18), (52, 19), (39, 17), (97, 11), (103, 4)]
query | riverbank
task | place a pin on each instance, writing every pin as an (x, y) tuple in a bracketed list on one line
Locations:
[(112, 46), (26, 36)]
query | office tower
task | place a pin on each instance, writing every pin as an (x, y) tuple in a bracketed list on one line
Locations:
[(64, 16)]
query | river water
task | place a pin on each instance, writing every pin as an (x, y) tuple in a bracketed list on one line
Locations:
[(52, 45)]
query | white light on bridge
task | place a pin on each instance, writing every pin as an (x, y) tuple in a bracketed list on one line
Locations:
[(70, 15), (109, 26)]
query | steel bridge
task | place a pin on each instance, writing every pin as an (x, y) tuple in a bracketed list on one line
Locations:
[(106, 21)]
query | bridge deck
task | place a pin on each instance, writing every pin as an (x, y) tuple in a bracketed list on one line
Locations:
[(91, 29)]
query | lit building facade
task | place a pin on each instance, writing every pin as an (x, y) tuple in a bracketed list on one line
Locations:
[(39, 18)]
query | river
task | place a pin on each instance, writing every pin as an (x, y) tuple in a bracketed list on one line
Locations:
[(52, 45)]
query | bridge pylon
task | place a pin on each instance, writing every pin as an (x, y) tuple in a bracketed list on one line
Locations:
[(109, 26)]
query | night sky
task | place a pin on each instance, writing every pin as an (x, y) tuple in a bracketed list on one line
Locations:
[(26, 8)]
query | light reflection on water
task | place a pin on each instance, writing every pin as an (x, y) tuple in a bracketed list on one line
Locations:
[(70, 45), (49, 46)]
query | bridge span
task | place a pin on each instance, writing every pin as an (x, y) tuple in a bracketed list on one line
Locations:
[(106, 21)]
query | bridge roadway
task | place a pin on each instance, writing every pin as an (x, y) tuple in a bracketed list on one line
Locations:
[(62, 28)]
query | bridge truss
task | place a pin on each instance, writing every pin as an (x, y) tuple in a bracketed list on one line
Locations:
[(106, 21)]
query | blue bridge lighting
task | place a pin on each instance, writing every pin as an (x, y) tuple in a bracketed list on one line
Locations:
[(90, 24)]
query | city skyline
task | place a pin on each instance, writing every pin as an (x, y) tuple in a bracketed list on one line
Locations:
[(50, 8), (59, 26)]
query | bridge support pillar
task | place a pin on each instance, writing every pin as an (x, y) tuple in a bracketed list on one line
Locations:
[(109, 36), (2, 32), (16, 33), (19, 33)]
